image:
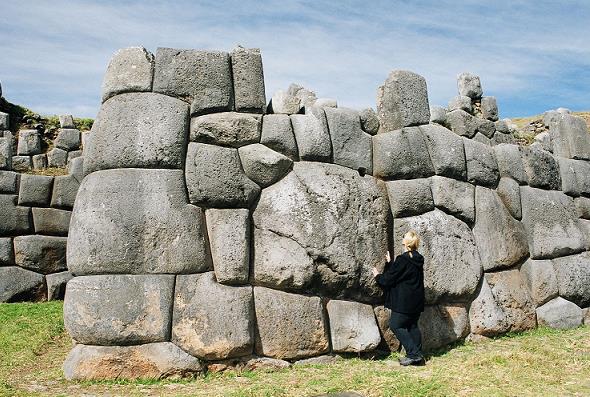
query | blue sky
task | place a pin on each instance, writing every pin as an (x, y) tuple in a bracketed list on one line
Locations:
[(532, 55)]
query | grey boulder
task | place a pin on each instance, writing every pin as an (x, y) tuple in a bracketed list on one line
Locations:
[(569, 136), (130, 70), (369, 121), (22, 163), (460, 102), (312, 136), (56, 285), (446, 151), (541, 168), (8, 182), (462, 123), (482, 168), (540, 280), (57, 158), (66, 121), (469, 85), (68, 139), (573, 277), (263, 165), (443, 324), (409, 197), (277, 134), (42, 254), (284, 103), (6, 252), (51, 221), (15, 219), (454, 197), (18, 284), (65, 190), (353, 327), (559, 313), (509, 192), (510, 162), (35, 190), (438, 115), (29, 142), (489, 108), (226, 129), (575, 176), (248, 80)]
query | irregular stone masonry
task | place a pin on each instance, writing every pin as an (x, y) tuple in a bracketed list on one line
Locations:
[(243, 237)]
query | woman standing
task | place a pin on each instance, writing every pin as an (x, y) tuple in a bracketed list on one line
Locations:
[(403, 284)]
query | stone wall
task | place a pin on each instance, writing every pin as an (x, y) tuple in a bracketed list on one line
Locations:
[(36, 210), (212, 229)]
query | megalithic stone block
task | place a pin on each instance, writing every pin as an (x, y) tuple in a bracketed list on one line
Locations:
[(402, 101), (248, 79), (130, 70)]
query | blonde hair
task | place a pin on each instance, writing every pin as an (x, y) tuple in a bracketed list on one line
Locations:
[(411, 240)]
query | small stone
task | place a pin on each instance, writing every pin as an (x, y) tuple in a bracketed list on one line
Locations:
[(65, 189), (40, 161), (66, 121), (263, 165), (68, 139), (5, 153), (369, 121), (57, 157), (469, 85), (4, 118), (438, 115), (461, 102), (76, 168), (56, 285), (462, 123), (283, 103), (489, 108), (560, 313), (226, 129), (486, 128), (22, 163), (6, 252), (326, 359), (266, 364)]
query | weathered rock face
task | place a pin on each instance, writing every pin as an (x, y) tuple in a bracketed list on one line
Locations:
[(501, 240), (409, 197), (212, 321), (352, 326), (226, 129), (151, 227), (329, 224), (446, 151), (540, 279), (445, 240), (469, 85), (248, 79), (510, 162), (482, 168), (541, 169), (509, 192), (551, 222), (277, 134), (15, 219), (138, 130), (119, 309), (6, 252), (569, 136), (575, 177), (312, 136), (149, 361), (462, 123), (454, 197), (289, 326), (263, 165), (441, 325), (17, 284), (130, 70), (402, 101), (43, 254), (35, 190)]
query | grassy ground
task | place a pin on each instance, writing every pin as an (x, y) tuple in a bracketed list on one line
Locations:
[(542, 362)]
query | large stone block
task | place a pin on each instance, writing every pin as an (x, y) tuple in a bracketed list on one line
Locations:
[(551, 222), (76, 168), (461, 102), (560, 313), (289, 326), (569, 136), (445, 240), (438, 115), (149, 361), (442, 325), (462, 123), (402, 101), (312, 136), (446, 151), (130, 70), (573, 277), (510, 162), (68, 139), (215, 178), (229, 236), (150, 226), (143, 130), (486, 128), (409, 197), (454, 197), (263, 165), (513, 298), (248, 80), (29, 142), (322, 222), (541, 168), (540, 279), (575, 176), (119, 309), (583, 207), (6, 252), (15, 219), (351, 146), (35, 190), (51, 221), (469, 85), (501, 239), (65, 190), (277, 134), (401, 154), (212, 321), (18, 284), (8, 182), (482, 168), (23, 163), (509, 192), (353, 328), (226, 129), (486, 317), (201, 78), (42, 254), (39, 161)]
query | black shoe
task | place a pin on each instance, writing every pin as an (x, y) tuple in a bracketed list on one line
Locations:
[(406, 361)]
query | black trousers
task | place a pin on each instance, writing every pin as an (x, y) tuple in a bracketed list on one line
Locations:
[(405, 328)]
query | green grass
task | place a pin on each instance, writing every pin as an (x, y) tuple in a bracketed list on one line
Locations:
[(541, 362)]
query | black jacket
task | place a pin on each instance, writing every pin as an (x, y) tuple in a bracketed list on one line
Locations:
[(403, 283)]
